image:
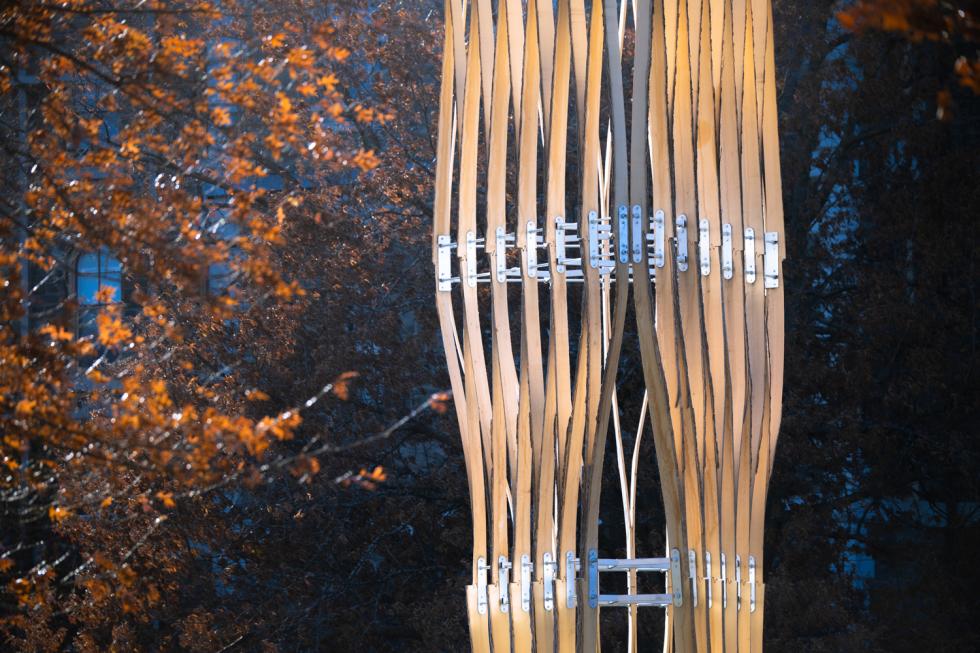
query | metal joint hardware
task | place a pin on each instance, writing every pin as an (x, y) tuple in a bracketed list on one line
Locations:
[(563, 242), (637, 240), (471, 243), (532, 243), (623, 244), (572, 565), (692, 571), (481, 585), (656, 237), (597, 566), (724, 582), (593, 579), (751, 584), (504, 583), (707, 578), (771, 260), (676, 580), (738, 582), (682, 254), (749, 255), (549, 569), (727, 255), (504, 240), (444, 266), (704, 246), (598, 232), (527, 568)]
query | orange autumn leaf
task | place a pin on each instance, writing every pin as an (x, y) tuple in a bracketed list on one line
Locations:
[(341, 385), (58, 514), (167, 499), (220, 116), (439, 402)]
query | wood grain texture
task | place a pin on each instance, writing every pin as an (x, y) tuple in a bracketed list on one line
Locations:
[(694, 135)]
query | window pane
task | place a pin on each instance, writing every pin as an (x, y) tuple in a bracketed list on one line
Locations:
[(88, 264), (88, 287), (116, 289)]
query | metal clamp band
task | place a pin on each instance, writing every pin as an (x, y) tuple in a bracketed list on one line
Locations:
[(504, 583), (727, 255), (548, 568), (532, 242), (444, 267), (676, 580), (527, 568), (707, 577), (572, 565), (682, 254), (623, 244), (637, 241), (771, 260), (724, 581), (692, 571), (481, 585), (471, 262), (658, 237), (738, 582), (593, 578), (749, 255), (751, 584), (504, 240), (704, 246)]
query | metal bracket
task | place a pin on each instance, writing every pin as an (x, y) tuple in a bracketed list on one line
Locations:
[(532, 242), (597, 566), (707, 577), (445, 265), (657, 237), (550, 566), (504, 583), (692, 571), (593, 578), (682, 256), (639, 600), (749, 255), (504, 240), (634, 564), (676, 580), (527, 568), (572, 565), (481, 585), (751, 584), (562, 241), (704, 246), (637, 241), (471, 262), (624, 235), (771, 260), (738, 582), (724, 581), (727, 256), (597, 233)]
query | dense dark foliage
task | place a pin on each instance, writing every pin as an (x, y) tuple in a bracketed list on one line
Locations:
[(875, 503)]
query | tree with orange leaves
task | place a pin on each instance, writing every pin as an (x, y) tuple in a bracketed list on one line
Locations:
[(955, 24), (159, 160)]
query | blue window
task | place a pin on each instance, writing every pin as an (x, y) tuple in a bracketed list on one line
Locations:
[(95, 272)]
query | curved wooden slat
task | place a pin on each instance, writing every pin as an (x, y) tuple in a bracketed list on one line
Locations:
[(700, 142)]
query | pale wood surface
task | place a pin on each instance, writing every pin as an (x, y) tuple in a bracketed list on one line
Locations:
[(695, 134)]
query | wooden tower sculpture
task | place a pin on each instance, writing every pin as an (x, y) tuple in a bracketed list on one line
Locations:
[(568, 192)]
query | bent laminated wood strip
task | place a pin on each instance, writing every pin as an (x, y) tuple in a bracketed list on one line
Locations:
[(683, 206)]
